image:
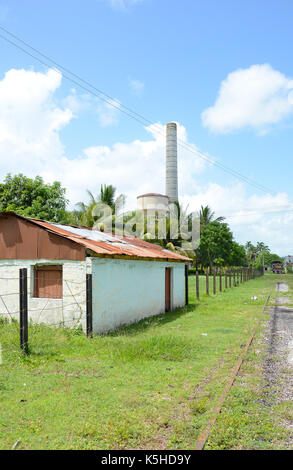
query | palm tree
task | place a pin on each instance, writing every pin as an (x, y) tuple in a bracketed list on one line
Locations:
[(250, 251), (107, 196), (253, 252), (260, 247), (85, 213), (207, 216)]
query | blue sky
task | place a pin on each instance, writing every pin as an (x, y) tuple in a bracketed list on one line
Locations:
[(166, 60)]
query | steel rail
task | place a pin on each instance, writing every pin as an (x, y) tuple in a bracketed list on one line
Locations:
[(205, 434)]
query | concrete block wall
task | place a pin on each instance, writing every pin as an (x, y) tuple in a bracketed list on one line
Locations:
[(70, 310)]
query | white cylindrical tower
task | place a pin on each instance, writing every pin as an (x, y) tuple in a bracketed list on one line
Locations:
[(171, 162)]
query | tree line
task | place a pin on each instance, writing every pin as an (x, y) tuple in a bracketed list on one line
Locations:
[(217, 247)]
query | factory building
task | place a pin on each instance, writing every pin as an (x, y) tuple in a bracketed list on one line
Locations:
[(160, 202)]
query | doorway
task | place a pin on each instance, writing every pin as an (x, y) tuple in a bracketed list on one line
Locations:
[(167, 289)]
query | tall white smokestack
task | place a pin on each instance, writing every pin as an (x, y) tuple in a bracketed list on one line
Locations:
[(171, 162)]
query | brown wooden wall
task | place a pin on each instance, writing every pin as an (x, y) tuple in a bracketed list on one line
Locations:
[(21, 239)]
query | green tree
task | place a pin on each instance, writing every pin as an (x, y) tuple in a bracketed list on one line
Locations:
[(260, 247), (253, 252), (33, 198), (207, 216), (250, 251), (87, 214), (180, 217), (266, 258), (216, 243), (238, 255)]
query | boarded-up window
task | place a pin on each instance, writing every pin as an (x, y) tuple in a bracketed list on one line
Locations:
[(48, 282)]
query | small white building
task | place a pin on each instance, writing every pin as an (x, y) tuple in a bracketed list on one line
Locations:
[(131, 279), (288, 261)]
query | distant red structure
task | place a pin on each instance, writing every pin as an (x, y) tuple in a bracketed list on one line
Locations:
[(277, 267)]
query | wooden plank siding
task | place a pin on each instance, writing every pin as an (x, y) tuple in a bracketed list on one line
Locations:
[(48, 282)]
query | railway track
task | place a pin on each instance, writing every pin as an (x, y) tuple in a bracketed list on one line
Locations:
[(201, 442)]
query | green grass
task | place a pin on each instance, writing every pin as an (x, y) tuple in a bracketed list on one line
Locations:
[(202, 283), (149, 385), (252, 416)]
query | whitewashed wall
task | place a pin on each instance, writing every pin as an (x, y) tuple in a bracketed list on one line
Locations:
[(125, 291), (69, 311)]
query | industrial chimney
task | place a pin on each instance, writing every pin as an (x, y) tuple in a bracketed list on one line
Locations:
[(171, 162)]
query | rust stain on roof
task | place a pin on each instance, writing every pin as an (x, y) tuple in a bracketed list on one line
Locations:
[(106, 244)]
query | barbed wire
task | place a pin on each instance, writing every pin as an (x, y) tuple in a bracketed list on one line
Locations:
[(47, 308), (43, 278), (36, 325), (46, 298), (50, 304), (35, 328)]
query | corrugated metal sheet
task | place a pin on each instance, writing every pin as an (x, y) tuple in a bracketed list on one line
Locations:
[(93, 235), (21, 238), (107, 245)]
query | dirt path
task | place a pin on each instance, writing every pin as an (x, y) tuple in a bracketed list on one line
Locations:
[(278, 369)]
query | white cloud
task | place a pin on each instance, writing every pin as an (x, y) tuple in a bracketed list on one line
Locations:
[(108, 112), (137, 86), (78, 103), (30, 123), (134, 168), (30, 120), (256, 97), (261, 217), (107, 109)]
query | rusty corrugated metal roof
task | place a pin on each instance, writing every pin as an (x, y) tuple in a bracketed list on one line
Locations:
[(106, 244)]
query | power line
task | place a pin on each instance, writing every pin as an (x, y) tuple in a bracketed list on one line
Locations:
[(252, 213), (122, 108)]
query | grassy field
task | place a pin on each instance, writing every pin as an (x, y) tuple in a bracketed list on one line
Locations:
[(202, 283), (253, 416), (152, 385)]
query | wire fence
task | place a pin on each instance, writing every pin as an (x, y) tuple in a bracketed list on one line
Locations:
[(23, 320), (216, 281), (22, 312)]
